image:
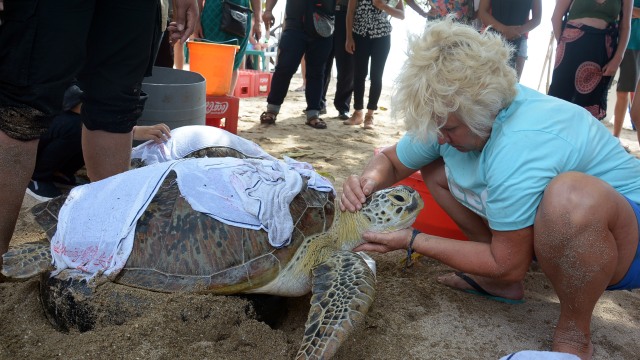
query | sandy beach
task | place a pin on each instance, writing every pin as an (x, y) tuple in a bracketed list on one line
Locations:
[(413, 317)]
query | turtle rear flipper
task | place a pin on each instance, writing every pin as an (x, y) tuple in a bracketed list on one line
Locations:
[(26, 260), (343, 290)]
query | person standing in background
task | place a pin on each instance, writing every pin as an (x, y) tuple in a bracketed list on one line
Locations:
[(629, 71), (344, 65), (44, 44), (209, 28), (369, 37), (59, 154), (591, 44), (463, 10), (511, 19), (299, 40)]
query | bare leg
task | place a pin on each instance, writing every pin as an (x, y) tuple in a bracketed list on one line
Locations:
[(586, 235), (368, 119), (178, 55), (105, 153), (619, 111), (635, 114), (520, 66), (356, 118), (17, 161), (473, 226), (234, 81), (303, 71)]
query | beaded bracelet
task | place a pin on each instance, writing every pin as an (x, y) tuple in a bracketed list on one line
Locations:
[(410, 251)]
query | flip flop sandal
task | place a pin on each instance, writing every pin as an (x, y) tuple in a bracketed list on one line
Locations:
[(478, 290), (268, 118), (316, 123)]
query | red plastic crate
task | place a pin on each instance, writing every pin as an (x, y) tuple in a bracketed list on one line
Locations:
[(432, 219), (245, 85), (262, 83), (223, 107)]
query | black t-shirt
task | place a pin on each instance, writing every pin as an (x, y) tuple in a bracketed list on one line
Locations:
[(295, 11), (511, 12), (294, 14)]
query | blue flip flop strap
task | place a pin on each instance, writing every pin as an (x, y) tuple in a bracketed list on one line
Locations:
[(472, 283)]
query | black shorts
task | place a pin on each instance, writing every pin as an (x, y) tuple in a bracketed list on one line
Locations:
[(45, 44), (629, 71)]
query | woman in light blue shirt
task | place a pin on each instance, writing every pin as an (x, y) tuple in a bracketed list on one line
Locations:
[(522, 174)]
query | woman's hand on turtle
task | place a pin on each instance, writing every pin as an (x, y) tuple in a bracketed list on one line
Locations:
[(385, 242), (355, 191)]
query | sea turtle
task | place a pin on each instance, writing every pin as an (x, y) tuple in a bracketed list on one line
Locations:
[(177, 249)]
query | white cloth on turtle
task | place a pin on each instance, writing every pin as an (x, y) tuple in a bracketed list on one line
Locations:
[(539, 355), (314, 180), (255, 193), (96, 224), (187, 139)]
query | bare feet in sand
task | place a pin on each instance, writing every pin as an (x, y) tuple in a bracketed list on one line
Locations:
[(569, 339), (493, 289)]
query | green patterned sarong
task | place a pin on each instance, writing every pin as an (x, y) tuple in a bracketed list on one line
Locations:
[(210, 20)]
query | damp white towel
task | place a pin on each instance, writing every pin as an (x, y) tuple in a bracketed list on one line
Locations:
[(187, 139), (314, 180), (539, 355), (251, 193), (97, 222)]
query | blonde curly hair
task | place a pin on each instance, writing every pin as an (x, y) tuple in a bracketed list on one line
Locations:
[(451, 68)]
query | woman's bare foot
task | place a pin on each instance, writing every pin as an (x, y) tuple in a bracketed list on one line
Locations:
[(569, 339), (356, 118), (460, 281)]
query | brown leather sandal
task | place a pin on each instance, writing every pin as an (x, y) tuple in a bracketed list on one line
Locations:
[(316, 123), (268, 118)]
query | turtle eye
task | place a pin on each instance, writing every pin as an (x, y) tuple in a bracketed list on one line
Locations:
[(399, 199)]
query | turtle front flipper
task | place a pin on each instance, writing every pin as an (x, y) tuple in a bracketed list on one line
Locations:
[(343, 290), (26, 260)]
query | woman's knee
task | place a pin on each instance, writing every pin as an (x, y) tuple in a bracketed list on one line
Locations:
[(572, 192), (573, 205)]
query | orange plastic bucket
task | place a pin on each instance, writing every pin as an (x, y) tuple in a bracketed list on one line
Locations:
[(214, 62)]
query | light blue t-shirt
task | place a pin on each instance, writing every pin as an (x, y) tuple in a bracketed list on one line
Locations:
[(534, 139)]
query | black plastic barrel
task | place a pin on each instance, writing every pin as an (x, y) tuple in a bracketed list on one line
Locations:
[(176, 98)]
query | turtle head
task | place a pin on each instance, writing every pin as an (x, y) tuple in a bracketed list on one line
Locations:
[(392, 209)]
